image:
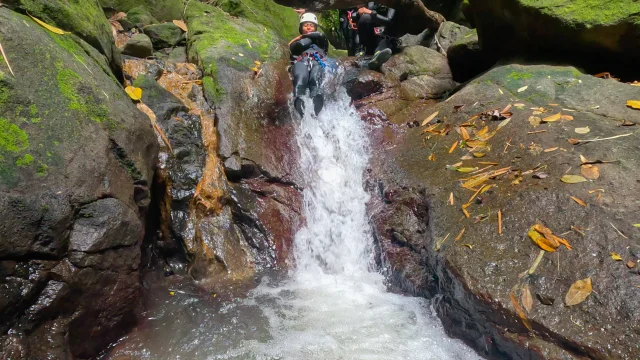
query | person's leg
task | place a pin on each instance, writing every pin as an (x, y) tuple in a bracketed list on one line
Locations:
[(316, 91), (382, 54), (366, 33), (300, 82)]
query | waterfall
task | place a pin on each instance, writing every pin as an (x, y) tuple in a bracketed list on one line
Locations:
[(333, 304)]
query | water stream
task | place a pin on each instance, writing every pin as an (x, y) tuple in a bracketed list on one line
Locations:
[(333, 305)]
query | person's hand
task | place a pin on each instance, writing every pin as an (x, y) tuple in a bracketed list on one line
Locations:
[(295, 39), (300, 11), (363, 10)]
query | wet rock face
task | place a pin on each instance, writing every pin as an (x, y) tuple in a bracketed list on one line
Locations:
[(138, 46), (562, 31), (76, 163), (473, 275)]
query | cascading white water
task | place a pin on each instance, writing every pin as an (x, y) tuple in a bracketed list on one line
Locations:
[(334, 305)]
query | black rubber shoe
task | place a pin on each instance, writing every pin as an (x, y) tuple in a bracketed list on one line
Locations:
[(379, 58), (318, 103), (299, 105)]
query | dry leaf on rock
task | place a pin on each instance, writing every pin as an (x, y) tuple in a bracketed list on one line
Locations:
[(478, 154), (582, 130), (615, 256), (552, 118), (573, 141), (519, 310), (580, 202), (134, 93), (428, 119), (578, 292), (572, 179), (551, 149), (566, 117), (53, 29), (631, 264), (181, 25), (523, 88), (527, 299), (590, 171), (540, 175), (118, 16), (534, 121)]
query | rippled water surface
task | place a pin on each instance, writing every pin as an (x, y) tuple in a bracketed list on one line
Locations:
[(332, 306)]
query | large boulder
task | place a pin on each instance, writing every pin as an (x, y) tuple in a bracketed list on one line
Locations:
[(83, 18), (255, 141), (140, 16), (601, 36), (423, 73), (139, 45), (481, 267), (164, 35), (76, 164)]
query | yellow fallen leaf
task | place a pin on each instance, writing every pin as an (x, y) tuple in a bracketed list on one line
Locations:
[(578, 201), (552, 118), (432, 157), (181, 25), (134, 93), (466, 169), (572, 179), (578, 292), (634, 104), (501, 93), (476, 143), (464, 210), (636, 225), (255, 69), (258, 63), (566, 117), (467, 245), (523, 88), (551, 149), (460, 235), (429, 118), (172, 293), (53, 29), (478, 154), (615, 256), (240, 54), (464, 133)]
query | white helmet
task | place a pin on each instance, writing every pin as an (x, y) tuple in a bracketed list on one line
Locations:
[(308, 17)]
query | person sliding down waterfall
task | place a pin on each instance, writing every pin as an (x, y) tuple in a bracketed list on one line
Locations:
[(308, 55)]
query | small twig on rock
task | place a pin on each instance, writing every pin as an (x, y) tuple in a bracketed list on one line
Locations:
[(4, 56), (535, 264), (608, 138), (440, 48)]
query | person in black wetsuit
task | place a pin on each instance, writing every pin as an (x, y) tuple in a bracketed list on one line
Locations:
[(308, 54), (349, 28), (376, 32)]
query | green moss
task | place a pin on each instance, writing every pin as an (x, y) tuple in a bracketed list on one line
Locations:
[(33, 110), (43, 170), (588, 12), (212, 90), (24, 161), (515, 75), (140, 15), (12, 138), (68, 82), (283, 20)]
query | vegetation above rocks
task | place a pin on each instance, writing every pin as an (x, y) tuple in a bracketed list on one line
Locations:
[(589, 12)]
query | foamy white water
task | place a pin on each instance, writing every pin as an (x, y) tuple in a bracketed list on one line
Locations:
[(334, 305)]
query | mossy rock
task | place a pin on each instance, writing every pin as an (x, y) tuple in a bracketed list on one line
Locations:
[(218, 41), (163, 10), (139, 46), (81, 17), (61, 97), (140, 16), (164, 35), (602, 34)]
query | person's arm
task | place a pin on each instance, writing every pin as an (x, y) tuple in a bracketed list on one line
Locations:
[(319, 39), (384, 20), (298, 46)]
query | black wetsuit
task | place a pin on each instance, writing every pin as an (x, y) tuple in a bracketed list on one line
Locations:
[(367, 24), (349, 31), (308, 55)]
